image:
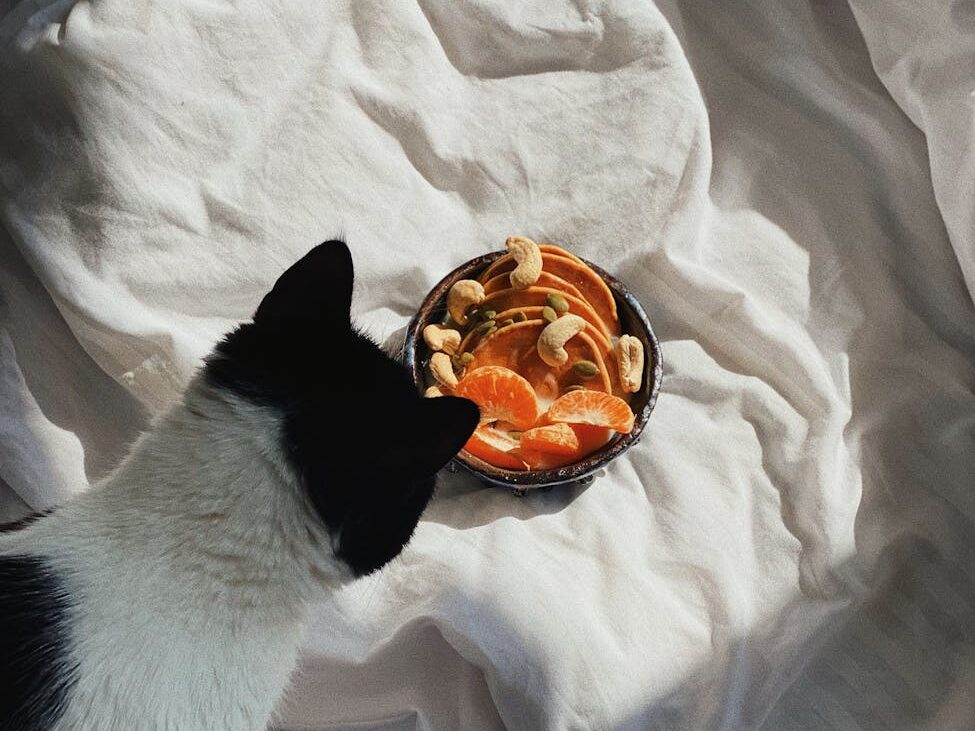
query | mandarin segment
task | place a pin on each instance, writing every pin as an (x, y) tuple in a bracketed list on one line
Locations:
[(592, 407), (495, 447), (501, 394), (515, 347), (554, 439)]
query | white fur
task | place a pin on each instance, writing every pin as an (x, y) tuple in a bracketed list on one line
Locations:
[(190, 568)]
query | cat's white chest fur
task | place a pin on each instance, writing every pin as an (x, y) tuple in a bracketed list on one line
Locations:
[(188, 574)]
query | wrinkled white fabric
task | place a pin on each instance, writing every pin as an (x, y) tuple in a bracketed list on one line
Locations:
[(793, 532), (924, 52)]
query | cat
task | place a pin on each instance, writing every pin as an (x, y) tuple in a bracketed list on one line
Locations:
[(172, 596)]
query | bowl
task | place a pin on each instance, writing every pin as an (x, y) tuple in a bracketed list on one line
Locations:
[(633, 320)]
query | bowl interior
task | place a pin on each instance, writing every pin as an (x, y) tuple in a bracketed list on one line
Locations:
[(633, 321)]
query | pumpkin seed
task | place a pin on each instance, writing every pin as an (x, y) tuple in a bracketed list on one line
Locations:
[(488, 315), (548, 314), (509, 321), (466, 358), (585, 368), (557, 302), (484, 328), (520, 316)]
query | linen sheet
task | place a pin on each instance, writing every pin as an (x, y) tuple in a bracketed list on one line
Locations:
[(790, 545)]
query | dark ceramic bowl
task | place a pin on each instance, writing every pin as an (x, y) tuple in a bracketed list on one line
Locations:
[(633, 321)]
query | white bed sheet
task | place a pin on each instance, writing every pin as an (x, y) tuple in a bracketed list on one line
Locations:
[(790, 545)]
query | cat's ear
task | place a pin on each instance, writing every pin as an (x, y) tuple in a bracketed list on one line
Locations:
[(438, 429), (315, 289)]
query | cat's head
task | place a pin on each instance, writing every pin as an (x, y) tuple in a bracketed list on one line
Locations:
[(364, 443)]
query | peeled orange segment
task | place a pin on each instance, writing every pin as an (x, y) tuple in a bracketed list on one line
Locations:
[(515, 347), (545, 279), (553, 439), (537, 460), (591, 437), (576, 273), (500, 394), (592, 407), (494, 447), (507, 299)]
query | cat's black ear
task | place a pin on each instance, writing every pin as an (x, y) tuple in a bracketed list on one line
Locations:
[(439, 429), (315, 289)]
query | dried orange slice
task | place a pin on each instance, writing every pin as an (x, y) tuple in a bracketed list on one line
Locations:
[(553, 439), (496, 284), (506, 299), (495, 447), (558, 251), (515, 347), (592, 407), (500, 394), (573, 272), (534, 312), (507, 262)]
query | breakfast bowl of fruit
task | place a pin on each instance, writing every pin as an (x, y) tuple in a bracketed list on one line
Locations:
[(558, 355)]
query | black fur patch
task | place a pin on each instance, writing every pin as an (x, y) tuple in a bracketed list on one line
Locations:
[(23, 522), (35, 675), (355, 428)]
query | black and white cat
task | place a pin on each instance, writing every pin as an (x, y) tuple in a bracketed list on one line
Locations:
[(173, 595)]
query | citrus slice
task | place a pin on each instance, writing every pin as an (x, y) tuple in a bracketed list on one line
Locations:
[(553, 439), (500, 394), (592, 407), (494, 447)]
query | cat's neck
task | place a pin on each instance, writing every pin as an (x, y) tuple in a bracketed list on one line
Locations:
[(207, 497)]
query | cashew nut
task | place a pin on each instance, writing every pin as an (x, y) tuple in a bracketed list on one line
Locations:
[(443, 370), (629, 358), (555, 336), (442, 338), (462, 295), (529, 258), (432, 392)]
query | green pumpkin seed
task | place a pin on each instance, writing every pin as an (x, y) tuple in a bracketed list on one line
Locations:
[(488, 315), (585, 368), (548, 314), (466, 358), (557, 302), (494, 329), (484, 328)]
